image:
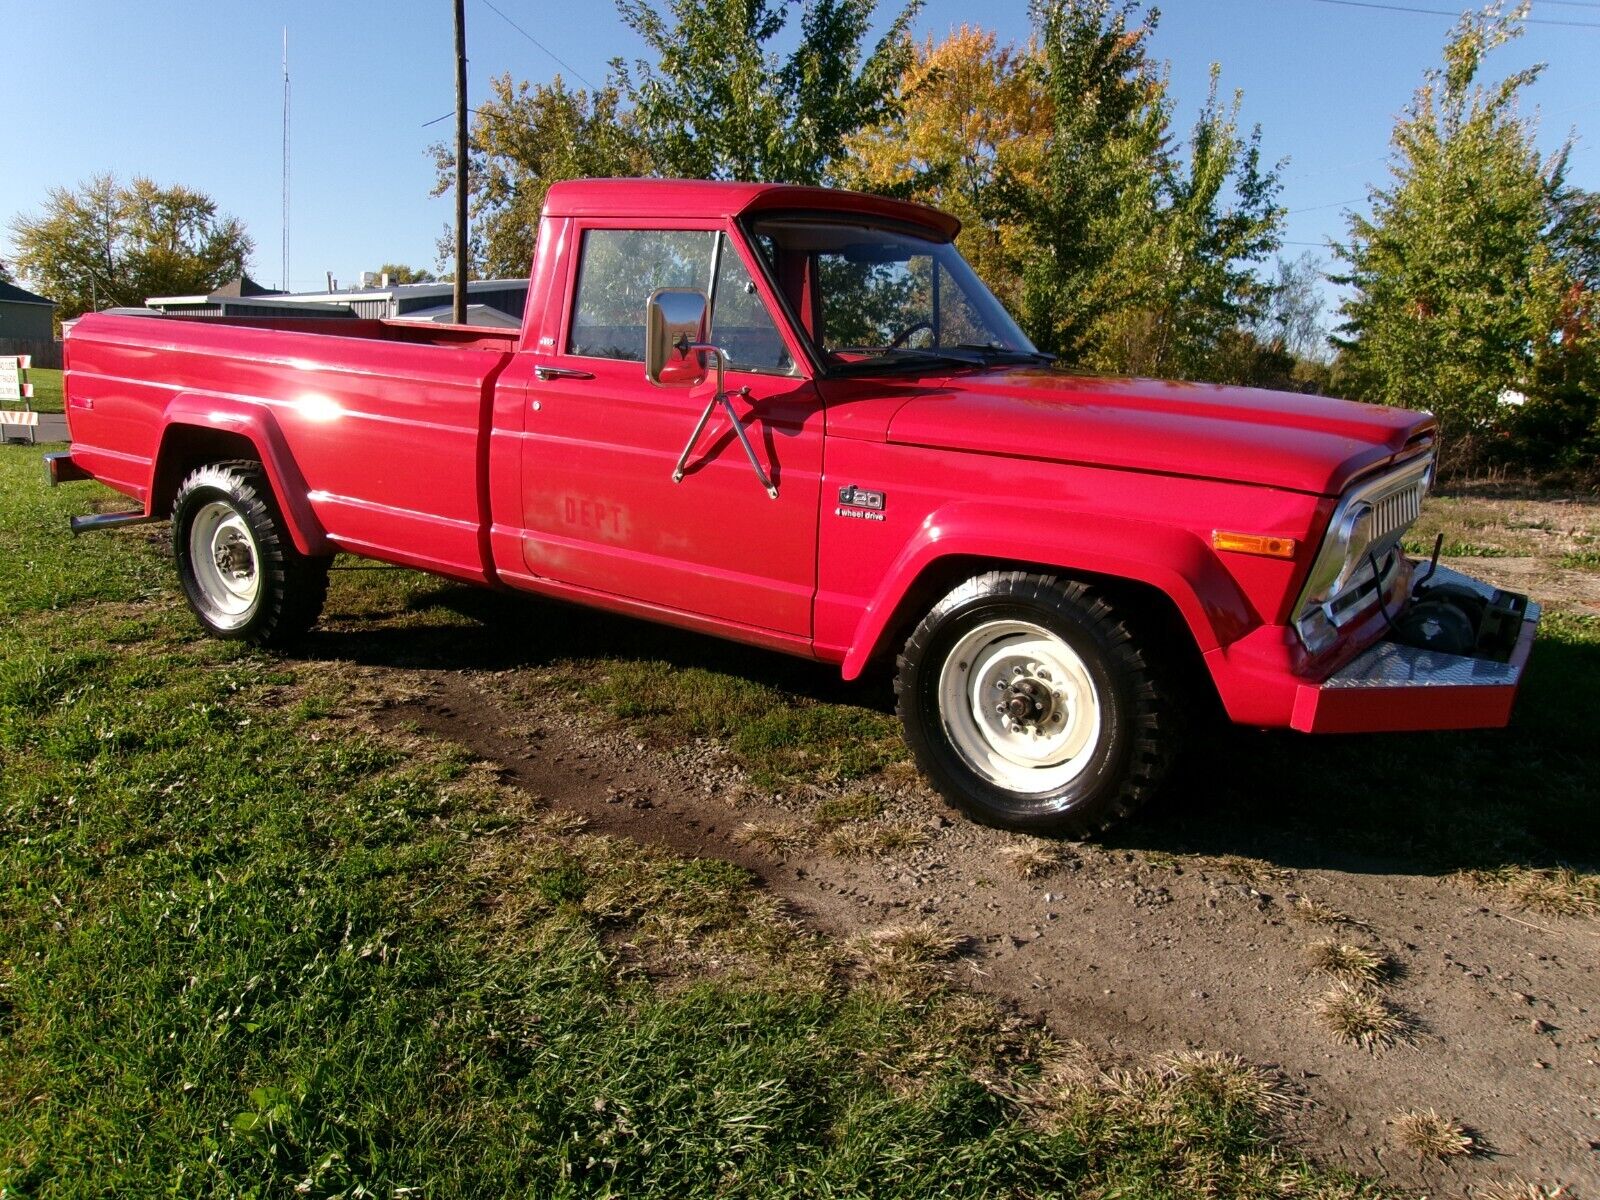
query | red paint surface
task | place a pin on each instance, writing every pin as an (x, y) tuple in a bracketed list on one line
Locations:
[(441, 448)]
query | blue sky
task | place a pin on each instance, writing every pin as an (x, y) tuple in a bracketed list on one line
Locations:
[(191, 92)]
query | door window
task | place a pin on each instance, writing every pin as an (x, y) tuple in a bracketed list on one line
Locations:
[(619, 268), (617, 271)]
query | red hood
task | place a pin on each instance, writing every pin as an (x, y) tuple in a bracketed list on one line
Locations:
[(1278, 439)]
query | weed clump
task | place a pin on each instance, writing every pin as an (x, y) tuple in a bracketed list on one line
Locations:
[(1429, 1135), (1319, 913), (862, 840), (1356, 964), (1555, 892), (1521, 1190), (1225, 1079), (1359, 1016), (908, 951), (780, 838), (1033, 858)]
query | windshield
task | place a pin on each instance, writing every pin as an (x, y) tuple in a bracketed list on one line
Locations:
[(869, 295)]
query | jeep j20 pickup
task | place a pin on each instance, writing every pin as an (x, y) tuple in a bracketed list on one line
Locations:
[(794, 417)]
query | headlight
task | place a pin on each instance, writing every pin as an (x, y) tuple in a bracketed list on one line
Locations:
[(1366, 526)]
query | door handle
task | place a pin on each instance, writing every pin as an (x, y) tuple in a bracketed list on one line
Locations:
[(546, 374)]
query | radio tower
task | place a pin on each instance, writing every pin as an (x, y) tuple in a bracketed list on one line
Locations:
[(284, 284)]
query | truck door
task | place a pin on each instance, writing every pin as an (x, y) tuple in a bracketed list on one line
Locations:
[(601, 510)]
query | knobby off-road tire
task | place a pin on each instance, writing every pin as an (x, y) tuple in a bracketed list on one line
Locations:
[(238, 565), (1029, 705)]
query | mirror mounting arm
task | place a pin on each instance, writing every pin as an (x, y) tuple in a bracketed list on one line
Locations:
[(720, 396)]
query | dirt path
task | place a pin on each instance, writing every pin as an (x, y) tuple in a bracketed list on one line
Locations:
[(1139, 953)]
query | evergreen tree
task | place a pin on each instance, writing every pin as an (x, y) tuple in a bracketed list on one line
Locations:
[(1139, 257), (1461, 272), (720, 103)]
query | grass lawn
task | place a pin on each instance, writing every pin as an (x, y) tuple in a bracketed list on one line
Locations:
[(46, 390), (251, 943)]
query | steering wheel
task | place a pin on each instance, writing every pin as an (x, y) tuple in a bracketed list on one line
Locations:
[(904, 335)]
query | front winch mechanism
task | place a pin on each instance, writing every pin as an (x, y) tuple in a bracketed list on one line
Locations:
[(1454, 619)]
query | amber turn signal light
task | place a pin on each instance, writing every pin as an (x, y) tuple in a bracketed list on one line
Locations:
[(1254, 543)]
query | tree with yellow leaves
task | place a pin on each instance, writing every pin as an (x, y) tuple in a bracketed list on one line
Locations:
[(974, 125)]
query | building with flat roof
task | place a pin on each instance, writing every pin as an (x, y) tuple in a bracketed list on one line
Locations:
[(493, 302)]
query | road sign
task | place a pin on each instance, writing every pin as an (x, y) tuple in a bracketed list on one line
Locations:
[(14, 384), (15, 388)]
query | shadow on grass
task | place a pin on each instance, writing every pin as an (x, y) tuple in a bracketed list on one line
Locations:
[(1384, 803), (1401, 803), (523, 631)]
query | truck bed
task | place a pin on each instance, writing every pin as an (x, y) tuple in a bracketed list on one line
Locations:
[(382, 425)]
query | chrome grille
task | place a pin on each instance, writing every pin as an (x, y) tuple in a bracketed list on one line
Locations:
[(1394, 513), (1361, 544)]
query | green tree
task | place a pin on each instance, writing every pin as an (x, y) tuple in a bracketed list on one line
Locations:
[(5, 274), (1140, 257), (524, 138), (1471, 256), (720, 103), (106, 244)]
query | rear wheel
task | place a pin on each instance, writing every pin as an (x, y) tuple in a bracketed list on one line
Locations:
[(1029, 705), (239, 568)]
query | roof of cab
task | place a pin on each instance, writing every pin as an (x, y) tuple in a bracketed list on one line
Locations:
[(655, 198)]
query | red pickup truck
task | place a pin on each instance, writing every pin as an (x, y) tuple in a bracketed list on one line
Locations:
[(795, 417)]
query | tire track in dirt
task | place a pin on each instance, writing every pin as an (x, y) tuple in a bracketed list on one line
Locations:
[(1134, 958)]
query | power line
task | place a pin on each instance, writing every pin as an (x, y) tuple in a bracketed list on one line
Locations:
[(482, 112), (558, 60), (1320, 207), (1440, 12), (538, 43)]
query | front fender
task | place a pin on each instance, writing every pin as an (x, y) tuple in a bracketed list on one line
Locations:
[(189, 415), (1174, 561)]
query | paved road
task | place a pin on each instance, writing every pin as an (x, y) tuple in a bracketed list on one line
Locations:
[(52, 428)]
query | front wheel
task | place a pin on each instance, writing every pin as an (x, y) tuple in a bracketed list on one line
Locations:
[(240, 571), (1029, 705)]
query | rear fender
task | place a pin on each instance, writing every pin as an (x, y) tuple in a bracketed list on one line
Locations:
[(189, 418), (1174, 561)]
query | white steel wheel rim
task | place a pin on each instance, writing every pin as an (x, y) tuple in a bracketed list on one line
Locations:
[(1019, 706), (225, 563)]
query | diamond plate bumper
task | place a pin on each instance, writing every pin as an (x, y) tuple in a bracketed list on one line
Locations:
[(1390, 687)]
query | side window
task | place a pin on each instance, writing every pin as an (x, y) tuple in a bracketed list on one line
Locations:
[(617, 271), (740, 322)]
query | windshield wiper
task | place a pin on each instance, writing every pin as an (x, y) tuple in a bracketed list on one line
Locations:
[(996, 349), (906, 355)]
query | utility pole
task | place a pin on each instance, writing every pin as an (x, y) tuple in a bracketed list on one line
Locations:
[(459, 314), (284, 277)]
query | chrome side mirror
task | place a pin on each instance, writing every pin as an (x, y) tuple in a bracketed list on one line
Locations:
[(674, 331), (675, 351)]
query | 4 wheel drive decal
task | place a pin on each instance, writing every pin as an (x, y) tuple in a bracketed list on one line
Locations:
[(861, 503)]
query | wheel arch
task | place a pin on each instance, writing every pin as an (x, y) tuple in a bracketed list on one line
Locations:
[(191, 438), (1165, 580)]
